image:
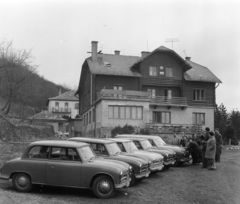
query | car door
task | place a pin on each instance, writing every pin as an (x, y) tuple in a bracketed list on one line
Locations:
[(64, 167)]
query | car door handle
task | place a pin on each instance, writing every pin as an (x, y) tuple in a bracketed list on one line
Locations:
[(51, 166)]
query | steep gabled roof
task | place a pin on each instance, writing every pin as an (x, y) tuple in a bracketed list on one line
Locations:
[(200, 73), (67, 96), (108, 64), (163, 49)]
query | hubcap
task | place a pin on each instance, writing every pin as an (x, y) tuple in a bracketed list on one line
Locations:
[(104, 187), (23, 181)]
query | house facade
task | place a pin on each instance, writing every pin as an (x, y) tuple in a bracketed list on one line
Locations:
[(65, 104), (159, 91)]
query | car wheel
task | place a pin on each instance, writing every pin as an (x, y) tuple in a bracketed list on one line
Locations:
[(176, 163), (103, 187), (22, 182)]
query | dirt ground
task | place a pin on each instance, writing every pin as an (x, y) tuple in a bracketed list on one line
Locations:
[(185, 184)]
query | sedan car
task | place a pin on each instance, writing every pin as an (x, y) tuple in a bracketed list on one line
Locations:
[(110, 150), (182, 155), (129, 148), (144, 144), (68, 164)]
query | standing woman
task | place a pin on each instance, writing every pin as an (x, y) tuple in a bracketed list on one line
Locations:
[(218, 138), (211, 152)]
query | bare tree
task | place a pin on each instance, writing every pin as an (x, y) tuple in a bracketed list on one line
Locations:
[(15, 69)]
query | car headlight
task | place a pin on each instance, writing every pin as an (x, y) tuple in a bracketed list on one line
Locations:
[(140, 165)]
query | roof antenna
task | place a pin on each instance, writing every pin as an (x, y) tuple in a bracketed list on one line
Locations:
[(172, 40)]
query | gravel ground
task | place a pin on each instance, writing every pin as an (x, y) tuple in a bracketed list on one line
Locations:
[(185, 184)]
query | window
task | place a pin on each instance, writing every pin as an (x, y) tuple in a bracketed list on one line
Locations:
[(117, 87), (86, 118), (94, 115), (66, 107), (76, 106), (57, 105), (168, 93), (199, 95), (169, 72), (152, 71), (152, 92), (121, 147), (199, 118), (62, 153), (38, 152), (161, 117), (90, 117), (125, 112), (99, 149)]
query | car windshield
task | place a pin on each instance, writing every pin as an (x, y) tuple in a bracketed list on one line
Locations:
[(130, 147), (86, 153), (113, 149), (145, 144), (159, 142)]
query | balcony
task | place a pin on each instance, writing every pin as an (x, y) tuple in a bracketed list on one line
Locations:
[(142, 96), (169, 101), (156, 128), (123, 95), (61, 110)]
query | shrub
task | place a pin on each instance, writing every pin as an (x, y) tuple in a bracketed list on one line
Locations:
[(126, 129)]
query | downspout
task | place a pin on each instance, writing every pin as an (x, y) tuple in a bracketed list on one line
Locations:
[(91, 101)]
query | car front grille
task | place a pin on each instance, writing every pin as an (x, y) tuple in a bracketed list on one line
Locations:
[(144, 169), (125, 176), (170, 158), (157, 163)]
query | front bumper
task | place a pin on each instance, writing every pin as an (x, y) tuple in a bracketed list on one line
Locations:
[(167, 163), (157, 168), (140, 176), (124, 184)]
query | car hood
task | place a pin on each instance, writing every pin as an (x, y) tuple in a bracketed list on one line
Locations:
[(173, 147), (149, 155), (110, 163), (128, 159)]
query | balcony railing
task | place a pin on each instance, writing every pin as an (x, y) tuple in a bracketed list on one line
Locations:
[(61, 110), (141, 95), (179, 101), (120, 94), (173, 128)]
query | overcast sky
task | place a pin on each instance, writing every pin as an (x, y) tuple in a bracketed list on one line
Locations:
[(60, 32)]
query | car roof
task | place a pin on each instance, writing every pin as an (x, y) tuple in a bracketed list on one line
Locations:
[(59, 143), (90, 139), (140, 136), (120, 139)]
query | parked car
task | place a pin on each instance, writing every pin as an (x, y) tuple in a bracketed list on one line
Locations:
[(110, 150), (128, 148), (65, 163), (144, 144), (182, 155)]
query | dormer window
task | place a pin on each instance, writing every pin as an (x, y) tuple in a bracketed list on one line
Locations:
[(152, 71)]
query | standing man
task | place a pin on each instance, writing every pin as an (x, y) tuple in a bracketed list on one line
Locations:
[(204, 146), (219, 142), (211, 152)]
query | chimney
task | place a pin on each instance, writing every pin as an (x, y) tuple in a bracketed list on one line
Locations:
[(188, 58), (144, 53), (117, 52), (94, 50)]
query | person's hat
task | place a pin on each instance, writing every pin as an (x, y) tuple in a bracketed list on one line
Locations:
[(211, 133)]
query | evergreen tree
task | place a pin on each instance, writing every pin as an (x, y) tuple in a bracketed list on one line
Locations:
[(234, 120), (221, 118)]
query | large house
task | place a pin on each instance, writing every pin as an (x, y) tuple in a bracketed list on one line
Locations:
[(65, 104), (159, 91)]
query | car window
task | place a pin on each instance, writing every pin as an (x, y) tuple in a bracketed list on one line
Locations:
[(120, 145), (99, 149), (138, 145), (38, 152), (73, 155)]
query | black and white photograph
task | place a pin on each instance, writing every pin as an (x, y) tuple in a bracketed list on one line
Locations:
[(119, 102)]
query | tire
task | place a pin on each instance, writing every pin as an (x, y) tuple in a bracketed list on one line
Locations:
[(103, 187), (176, 163), (167, 166), (22, 182)]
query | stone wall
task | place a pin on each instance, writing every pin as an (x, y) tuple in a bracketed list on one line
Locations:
[(11, 132)]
